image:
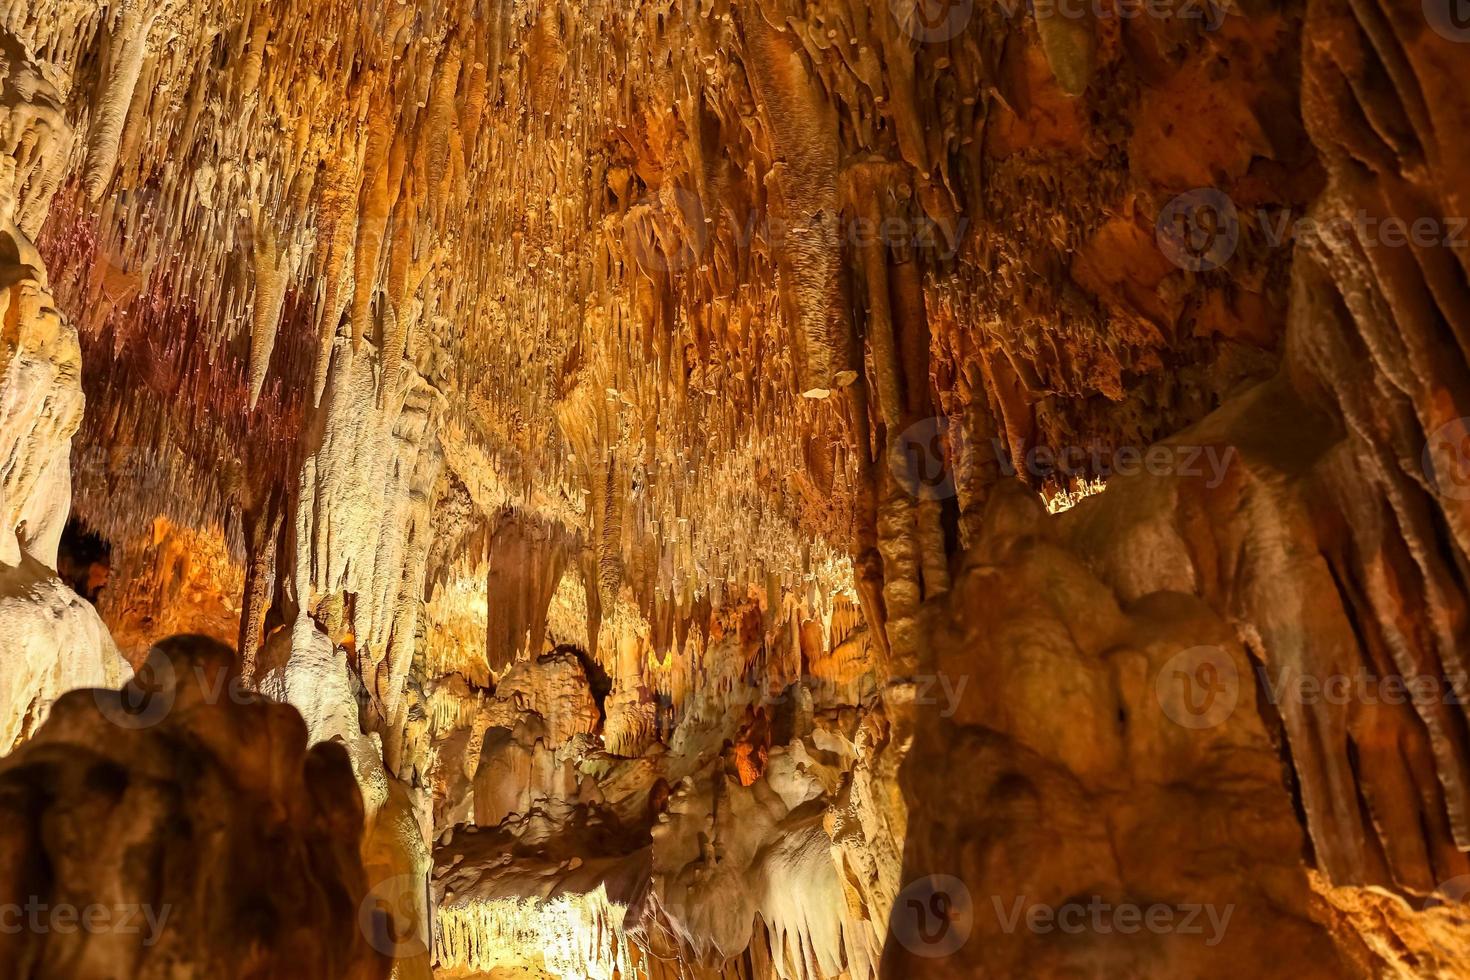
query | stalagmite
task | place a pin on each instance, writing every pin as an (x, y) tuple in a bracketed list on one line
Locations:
[(107, 865)]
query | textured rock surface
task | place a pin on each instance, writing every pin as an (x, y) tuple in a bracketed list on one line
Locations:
[(40, 359), (50, 640), (669, 856)]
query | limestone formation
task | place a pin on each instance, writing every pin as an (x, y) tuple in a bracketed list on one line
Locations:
[(50, 640), (137, 824)]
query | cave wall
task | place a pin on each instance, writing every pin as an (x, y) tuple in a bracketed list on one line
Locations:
[(51, 641)]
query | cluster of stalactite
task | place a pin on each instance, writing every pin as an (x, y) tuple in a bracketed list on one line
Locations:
[(426, 184), (629, 239)]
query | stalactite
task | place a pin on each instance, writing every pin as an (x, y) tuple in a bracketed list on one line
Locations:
[(806, 204), (262, 530), (127, 45), (271, 281)]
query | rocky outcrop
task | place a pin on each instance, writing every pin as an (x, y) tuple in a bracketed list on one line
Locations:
[(135, 821), (1100, 773), (552, 689), (358, 558), (612, 867), (759, 838), (51, 642), (40, 358)]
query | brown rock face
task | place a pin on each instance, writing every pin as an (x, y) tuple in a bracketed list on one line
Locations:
[(1104, 808), (180, 828)]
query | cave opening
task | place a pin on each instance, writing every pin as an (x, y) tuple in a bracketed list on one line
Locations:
[(84, 561)]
